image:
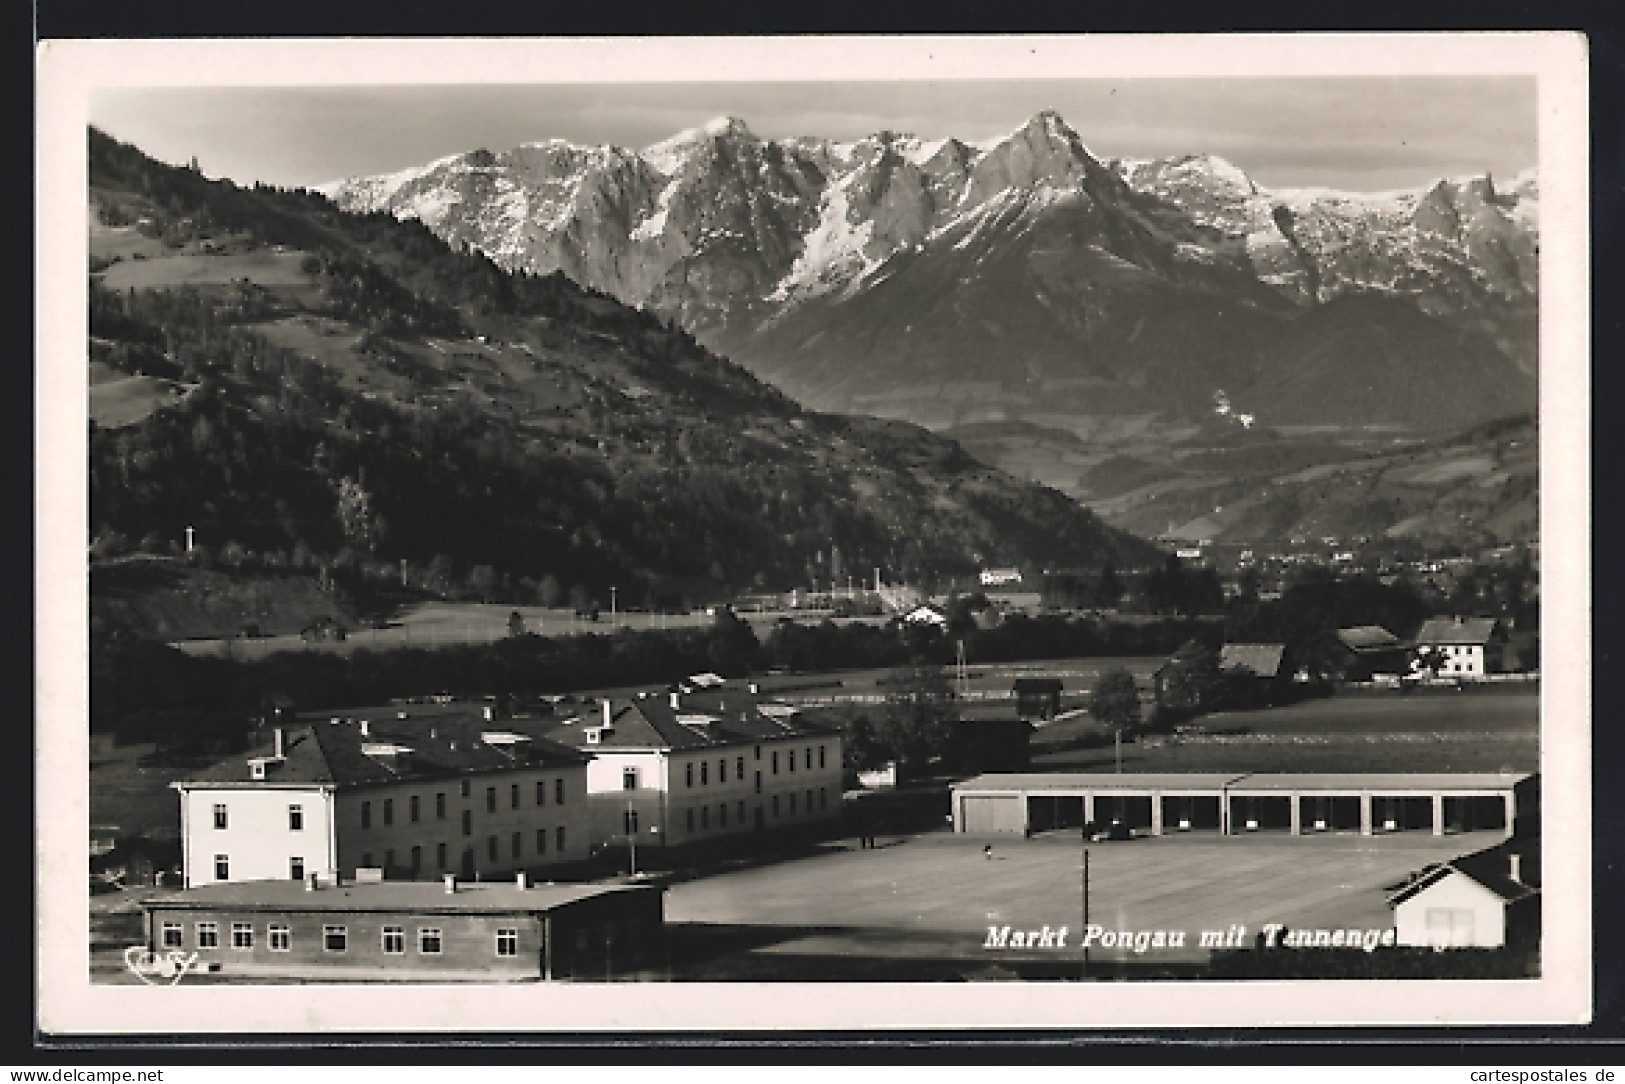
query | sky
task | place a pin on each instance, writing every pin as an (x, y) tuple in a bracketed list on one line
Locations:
[(1359, 133)]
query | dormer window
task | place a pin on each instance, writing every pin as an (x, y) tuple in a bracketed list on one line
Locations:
[(593, 736), (256, 769)]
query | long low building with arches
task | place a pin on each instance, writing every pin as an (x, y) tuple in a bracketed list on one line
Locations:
[(1229, 803)]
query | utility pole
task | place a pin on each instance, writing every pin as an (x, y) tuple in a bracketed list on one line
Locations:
[(1083, 934), (612, 604), (1117, 748)]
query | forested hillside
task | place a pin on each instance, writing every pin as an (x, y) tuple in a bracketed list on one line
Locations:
[(347, 395)]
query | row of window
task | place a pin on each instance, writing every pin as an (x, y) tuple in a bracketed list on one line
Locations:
[(296, 812), (279, 938), (722, 811), (629, 778), (493, 849)]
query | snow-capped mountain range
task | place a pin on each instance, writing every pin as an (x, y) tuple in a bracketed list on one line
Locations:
[(853, 271)]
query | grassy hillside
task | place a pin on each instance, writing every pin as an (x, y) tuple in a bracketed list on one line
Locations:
[(358, 395)]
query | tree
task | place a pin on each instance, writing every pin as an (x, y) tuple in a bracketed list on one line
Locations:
[(549, 593), (920, 717), (483, 581), (1116, 699), (1192, 678)]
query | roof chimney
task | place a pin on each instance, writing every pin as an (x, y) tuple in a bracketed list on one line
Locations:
[(277, 747), (1515, 867), (608, 714), (451, 883), (366, 729)]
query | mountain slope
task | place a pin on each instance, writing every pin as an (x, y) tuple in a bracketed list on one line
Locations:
[(368, 400), (950, 283)]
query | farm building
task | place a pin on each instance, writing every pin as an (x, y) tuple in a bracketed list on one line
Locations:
[(1234, 804), (482, 931), (1465, 647), (1369, 650), (926, 615), (1000, 577), (1037, 697), (1467, 904)]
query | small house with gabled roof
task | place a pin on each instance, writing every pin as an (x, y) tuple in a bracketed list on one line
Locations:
[(1462, 647)]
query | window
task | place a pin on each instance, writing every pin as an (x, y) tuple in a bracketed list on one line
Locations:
[(507, 942), (172, 935), (465, 788), (705, 818), (417, 858), (629, 779), (414, 810), (366, 859), (429, 940), (558, 838), (792, 803), (629, 822), (722, 770), (281, 937), (758, 752), (558, 792), (688, 775), (440, 855), (440, 806), (739, 768), (389, 858), (775, 805), (222, 867), (208, 935), (1449, 926), (296, 818), (775, 762), (809, 801), (468, 822), (808, 761), (220, 814), (335, 939), (242, 935), (823, 798), (689, 819), (296, 868), (820, 756), (491, 847), (394, 940), (541, 841), (366, 814), (792, 760), (722, 814), (516, 844), (758, 782), (389, 811), (490, 799), (741, 814), (541, 792), (513, 796)]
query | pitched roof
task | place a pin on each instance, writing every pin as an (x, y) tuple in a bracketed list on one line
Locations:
[(337, 753), (1456, 630), (702, 720), (1367, 638), (1036, 685), (474, 897), (1501, 885), (1263, 660)]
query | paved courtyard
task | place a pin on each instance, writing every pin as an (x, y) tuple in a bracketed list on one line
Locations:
[(934, 897)]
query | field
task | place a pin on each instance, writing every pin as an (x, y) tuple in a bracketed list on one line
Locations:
[(1443, 731), (921, 906)]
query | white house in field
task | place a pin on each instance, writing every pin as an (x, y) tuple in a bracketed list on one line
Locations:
[(1471, 647), (674, 769), (331, 797), (1458, 905)]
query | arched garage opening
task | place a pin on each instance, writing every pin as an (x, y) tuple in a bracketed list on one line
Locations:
[(1329, 813), (1190, 813), (1260, 813)]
